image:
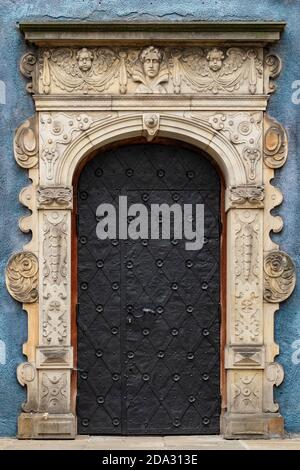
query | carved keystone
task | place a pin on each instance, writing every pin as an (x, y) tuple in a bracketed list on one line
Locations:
[(150, 125)]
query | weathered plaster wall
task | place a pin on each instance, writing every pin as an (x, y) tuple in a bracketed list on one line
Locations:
[(16, 106)]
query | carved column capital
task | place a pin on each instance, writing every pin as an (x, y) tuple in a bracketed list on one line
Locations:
[(150, 125), (22, 277), (55, 197), (245, 196), (279, 276)]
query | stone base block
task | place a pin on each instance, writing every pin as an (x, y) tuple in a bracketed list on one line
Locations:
[(252, 426), (46, 426)]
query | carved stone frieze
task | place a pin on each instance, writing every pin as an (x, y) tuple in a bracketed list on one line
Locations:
[(54, 197), (58, 131), (275, 143), (244, 131), (246, 392), (150, 70), (26, 144), (27, 375), (22, 277), (245, 196), (274, 375), (54, 393), (279, 276)]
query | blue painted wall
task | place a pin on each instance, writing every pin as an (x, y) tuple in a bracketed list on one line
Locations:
[(16, 106)]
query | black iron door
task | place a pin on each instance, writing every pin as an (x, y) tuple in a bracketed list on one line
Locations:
[(148, 310)]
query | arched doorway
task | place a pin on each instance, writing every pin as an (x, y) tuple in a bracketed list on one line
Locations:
[(148, 316)]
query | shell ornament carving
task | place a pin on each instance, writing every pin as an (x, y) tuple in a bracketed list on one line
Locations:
[(275, 144), (22, 277), (279, 276)]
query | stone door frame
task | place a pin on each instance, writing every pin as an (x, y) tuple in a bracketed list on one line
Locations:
[(209, 88)]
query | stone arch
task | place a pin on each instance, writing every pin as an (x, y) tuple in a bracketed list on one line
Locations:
[(196, 132)]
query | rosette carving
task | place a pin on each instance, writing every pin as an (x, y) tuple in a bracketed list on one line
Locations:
[(279, 276), (22, 277)]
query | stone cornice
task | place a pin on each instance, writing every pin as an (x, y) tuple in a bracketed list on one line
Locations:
[(115, 33)]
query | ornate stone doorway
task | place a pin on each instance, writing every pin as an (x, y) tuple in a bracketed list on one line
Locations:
[(203, 84)]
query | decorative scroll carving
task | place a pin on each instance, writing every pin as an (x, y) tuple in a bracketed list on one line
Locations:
[(242, 128), (22, 277), (279, 276), (246, 196), (150, 125), (28, 69), (274, 375), (272, 67), (57, 132), (54, 325), (247, 392), (27, 375), (54, 394), (54, 196), (26, 143), (156, 70), (275, 143)]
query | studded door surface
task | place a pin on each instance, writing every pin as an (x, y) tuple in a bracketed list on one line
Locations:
[(148, 310)]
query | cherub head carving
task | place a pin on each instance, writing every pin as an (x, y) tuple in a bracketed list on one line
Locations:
[(84, 58), (151, 58), (215, 59)]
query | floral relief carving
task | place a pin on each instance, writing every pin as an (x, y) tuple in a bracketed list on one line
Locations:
[(279, 276), (54, 325), (246, 392), (246, 232), (26, 148), (57, 131), (150, 125), (244, 131), (247, 326), (54, 393), (275, 143), (155, 69), (22, 277), (54, 196)]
